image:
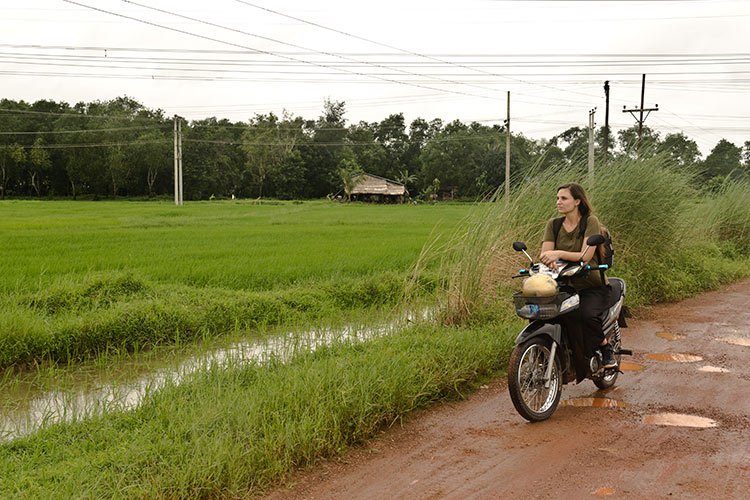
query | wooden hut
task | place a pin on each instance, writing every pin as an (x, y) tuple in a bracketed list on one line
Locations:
[(374, 188)]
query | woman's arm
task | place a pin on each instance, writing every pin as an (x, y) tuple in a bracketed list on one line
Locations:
[(550, 255)]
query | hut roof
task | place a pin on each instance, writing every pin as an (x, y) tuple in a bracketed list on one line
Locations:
[(373, 184)]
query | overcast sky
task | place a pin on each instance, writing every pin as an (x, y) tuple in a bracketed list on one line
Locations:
[(429, 59)]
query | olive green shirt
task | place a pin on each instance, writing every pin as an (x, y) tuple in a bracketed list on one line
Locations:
[(573, 242)]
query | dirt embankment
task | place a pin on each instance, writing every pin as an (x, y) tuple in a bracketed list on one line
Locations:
[(689, 368)]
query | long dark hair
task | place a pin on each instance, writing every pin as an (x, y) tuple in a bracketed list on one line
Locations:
[(578, 193)]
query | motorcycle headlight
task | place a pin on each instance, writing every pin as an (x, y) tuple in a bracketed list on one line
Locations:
[(570, 303), (570, 271)]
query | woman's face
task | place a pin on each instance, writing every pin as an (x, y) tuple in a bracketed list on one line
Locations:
[(565, 201)]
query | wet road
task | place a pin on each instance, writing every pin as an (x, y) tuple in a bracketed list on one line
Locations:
[(677, 425)]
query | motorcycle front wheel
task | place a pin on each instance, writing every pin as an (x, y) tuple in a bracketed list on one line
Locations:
[(526, 384)]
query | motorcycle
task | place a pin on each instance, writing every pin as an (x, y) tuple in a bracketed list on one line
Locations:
[(543, 359)]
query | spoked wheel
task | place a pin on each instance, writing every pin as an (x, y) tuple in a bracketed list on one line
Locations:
[(528, 366), (610, 376)]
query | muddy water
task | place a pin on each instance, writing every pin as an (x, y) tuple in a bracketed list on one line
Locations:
[(628, 366), (741, 341), (712, 369), (670, 335), (679, 420), (674, 357), (32, 401), (593, 403)]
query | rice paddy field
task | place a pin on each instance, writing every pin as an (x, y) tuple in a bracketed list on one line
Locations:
[(81, 278), (362, 314)]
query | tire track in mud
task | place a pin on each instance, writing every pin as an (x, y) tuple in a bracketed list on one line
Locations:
[(481, 448)]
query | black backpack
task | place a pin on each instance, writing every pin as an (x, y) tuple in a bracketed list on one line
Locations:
[(606, 250)]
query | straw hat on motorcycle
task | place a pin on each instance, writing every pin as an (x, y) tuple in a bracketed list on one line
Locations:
[(539, 285)]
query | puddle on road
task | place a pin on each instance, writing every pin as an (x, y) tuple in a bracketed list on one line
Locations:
[(680, 420), (736, 341), (593, 403), (670, 336), (627, 366), (712, 369), (604, 491), (674, 357)]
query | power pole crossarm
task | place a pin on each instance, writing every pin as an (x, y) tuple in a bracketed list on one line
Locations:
[(641, 118)]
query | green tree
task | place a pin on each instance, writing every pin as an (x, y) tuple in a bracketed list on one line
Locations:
[(725, 159), (213, 159), (368, 152), (39, 165), (574, 143), (630, 146), (391, 134), (270, 148), (682, 150), (11, 158), (325, 151), (350, 173), (405, 178), (152, 157)]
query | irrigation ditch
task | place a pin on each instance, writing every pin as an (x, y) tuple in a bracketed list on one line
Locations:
[(80, 392)]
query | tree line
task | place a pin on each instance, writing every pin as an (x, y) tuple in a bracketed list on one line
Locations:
[(121, 148)]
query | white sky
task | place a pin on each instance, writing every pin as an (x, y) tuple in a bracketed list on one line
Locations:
[(425, 58)]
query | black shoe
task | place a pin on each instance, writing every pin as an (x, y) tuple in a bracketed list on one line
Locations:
[(608, 356)]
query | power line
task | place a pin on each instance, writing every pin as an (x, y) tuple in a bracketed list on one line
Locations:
[(330, 54), (390, 46), (263, 51), (90, 130)]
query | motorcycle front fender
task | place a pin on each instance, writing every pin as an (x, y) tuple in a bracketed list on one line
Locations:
[(537, 328)]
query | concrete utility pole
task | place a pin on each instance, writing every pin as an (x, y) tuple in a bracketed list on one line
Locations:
[(606, 121), (591, 143), (507, 153), (177, 160), (642, 118)]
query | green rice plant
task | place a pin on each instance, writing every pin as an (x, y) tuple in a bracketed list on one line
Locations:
[(101, 278), (131, 314)]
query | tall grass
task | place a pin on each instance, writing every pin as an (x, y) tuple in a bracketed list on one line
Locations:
[(649, 206)]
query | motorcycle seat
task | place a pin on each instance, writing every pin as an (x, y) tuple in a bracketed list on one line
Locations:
[(616, 290)]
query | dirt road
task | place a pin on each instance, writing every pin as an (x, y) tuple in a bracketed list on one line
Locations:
[(691, 367)]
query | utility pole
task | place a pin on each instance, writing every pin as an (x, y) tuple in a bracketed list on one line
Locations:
[(507, 153), (591, 143), (606, 121), (177, 161), (642, 118)]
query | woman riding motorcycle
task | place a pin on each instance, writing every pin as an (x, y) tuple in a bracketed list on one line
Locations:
[(585, 324)]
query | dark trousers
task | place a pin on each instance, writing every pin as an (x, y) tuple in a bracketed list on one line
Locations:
[(584, 326)]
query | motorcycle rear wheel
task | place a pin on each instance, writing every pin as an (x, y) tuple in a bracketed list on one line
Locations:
[(528, 365)]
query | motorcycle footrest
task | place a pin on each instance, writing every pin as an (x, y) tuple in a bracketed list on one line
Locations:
[(625, 352)]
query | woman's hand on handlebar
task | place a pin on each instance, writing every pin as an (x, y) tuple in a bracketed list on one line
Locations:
[(550, 258)]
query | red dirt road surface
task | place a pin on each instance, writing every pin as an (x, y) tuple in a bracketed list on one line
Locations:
[(676, 425)]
